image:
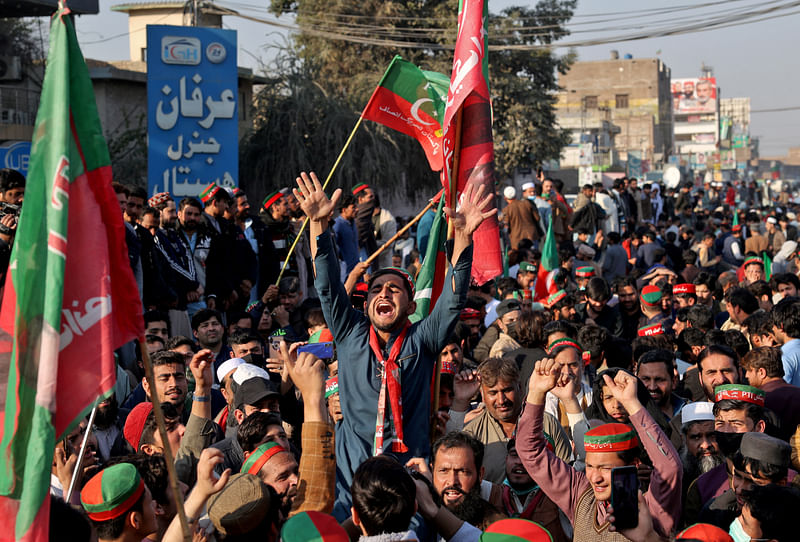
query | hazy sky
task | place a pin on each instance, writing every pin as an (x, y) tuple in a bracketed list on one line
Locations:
[(758, 60)]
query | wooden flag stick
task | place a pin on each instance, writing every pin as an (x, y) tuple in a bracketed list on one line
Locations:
[(402, 230), (162, 430), (324, 185), (453, 203)]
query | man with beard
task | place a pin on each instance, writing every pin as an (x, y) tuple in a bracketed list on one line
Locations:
[(568, 354), (508, 312), (764, 370), (389, 360), (457, 473), (498, 380), (699, 453), (562, 306), (261, 266), (197, 239), (629, 309), (169, 370), (275, 214), (656, 370), (737, 409), (108, 430), (277, 467)]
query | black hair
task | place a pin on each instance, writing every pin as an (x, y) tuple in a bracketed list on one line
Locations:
[(66, 519), (714, 336), (459, 439), (530, 329), (758, 323), (204, 315), (289, 285), (190, 202), (682, 314), (613, 238), (152, 469), (120, 188), (642, 345), (772, 506), (786, 316), (235, 316), (742, 298), (150, 338), (752, 411), (166, 357), (765, 357), (624, 282), (155, 316), (706, 279), (346, 201), (253, 429), (560, 326), (384, 495), (784, 278), (689, 257), (597, 289), (618, 353), (11, 178), (700, 317), (737, 341), (113, 528), (314, 317), (593, 339), (243, 337), (137, 191), (506, 285), (657, 356), (180, 340)]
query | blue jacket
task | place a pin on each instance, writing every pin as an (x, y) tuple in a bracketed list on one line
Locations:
[(359, 374)]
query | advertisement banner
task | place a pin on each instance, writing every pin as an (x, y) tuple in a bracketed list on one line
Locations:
[(586, 155), (694, 95), (15, 155), (634, 164), (192, 124)]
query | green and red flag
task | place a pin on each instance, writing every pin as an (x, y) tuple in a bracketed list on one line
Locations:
[(548, 265), (411, 101), (767, 266), (430, 279), (70, 297), (468, 131)]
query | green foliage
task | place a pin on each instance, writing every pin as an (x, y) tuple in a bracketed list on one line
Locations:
[(127, 148), (309, 106), (302, 127)]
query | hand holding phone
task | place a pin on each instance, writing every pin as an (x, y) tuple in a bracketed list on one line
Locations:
[(625, 497)]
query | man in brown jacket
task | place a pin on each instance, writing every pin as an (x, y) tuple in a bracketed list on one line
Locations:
[(521, 217)]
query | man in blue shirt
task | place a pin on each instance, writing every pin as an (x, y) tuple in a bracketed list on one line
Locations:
[(346, 234), (786, 327), (385, 363)]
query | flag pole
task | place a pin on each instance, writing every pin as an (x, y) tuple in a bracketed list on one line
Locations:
[(402, 230), (336, 163), (162, 431), (81, 453)]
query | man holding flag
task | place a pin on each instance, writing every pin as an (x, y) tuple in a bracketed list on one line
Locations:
[(70, 297), (386, 362)]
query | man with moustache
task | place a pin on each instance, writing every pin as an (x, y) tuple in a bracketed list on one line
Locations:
[(699, 453), (629, 309), (107, 429), (384, 386), (656, 370)]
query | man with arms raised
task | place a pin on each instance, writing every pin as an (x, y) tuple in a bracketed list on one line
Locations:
[(584, 496), (386, 363)]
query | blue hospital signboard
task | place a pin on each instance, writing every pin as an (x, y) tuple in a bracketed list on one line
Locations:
[(192, 126)]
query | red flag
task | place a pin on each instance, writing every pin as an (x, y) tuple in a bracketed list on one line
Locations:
[(471, 138)]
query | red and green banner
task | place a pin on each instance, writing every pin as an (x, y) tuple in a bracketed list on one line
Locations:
[(70, 297), (434, 267), (467, 138), (411, 101), (547, 266)]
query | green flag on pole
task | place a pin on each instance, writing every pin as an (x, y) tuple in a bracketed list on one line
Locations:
[(434, 267), (70, 297)]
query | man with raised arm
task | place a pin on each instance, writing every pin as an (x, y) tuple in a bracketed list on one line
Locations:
[(585, 496), (385, 363)]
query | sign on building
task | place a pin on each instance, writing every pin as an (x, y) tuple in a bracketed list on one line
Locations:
[(15, 155), (694, 95), (192, 124)]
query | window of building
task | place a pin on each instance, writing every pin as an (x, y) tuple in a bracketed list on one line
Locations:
[(621, 101), (590, 102)]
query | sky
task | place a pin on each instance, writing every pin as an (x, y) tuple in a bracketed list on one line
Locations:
[(758, 60)]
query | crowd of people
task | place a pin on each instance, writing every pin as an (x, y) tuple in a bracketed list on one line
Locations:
[(302, 404)]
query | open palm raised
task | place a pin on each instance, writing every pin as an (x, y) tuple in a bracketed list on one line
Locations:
[(315, 204), (472, 211)]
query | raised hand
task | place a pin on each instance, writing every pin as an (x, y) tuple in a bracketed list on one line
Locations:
[(544, 378), (472, 211), (315, 204), (201, 365), (465, 385), (208, 482), (624, 387), (567, 387)]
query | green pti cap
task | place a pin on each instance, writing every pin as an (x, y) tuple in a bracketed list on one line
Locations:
[(527, 266), (740, 392), (112, 492), (566, 341), (331, 386), (585, 272), (359, 187), (313, 527), (610, 437), (515, 530), (272, 198), (256, 459), (651, 295)]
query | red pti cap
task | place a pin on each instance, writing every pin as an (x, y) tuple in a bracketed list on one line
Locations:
[(134, 425)]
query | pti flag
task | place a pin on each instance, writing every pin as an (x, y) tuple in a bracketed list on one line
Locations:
[(434, 267), (468, 100), (70, 296), (411, 101), (548, 265)]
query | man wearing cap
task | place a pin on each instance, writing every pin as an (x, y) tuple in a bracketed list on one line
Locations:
[(684, 295), (526, 275), (569, 356), (119, 505), (760, 460), (384, 383), (650, 303), (277, 467), (583, 274), (775, 237), (753, 270), (275, 214), (584, 497), (699, 452), (733, 247), (225, 378), (562, 306), (521, 217)]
